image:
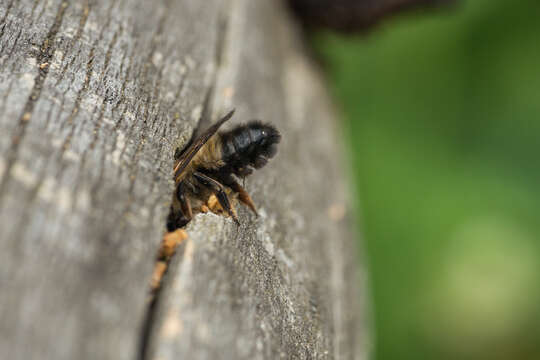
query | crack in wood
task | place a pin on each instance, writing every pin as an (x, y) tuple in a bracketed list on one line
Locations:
[(75, 40), (78, 99), (13, 47), (3, 21), (45, 55), (43, 8), (87, 78), (108, 54), (150, 319), (122, 96), (2, 33), (34, 7), (5, 97), (149, 105)]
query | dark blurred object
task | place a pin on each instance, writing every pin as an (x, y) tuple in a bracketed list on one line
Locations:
[(353, 15)]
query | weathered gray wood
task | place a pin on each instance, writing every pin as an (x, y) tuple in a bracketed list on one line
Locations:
[(88, 92), (84, 171), (282, 285)]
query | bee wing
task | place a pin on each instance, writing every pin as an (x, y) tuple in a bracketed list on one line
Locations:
[(187, 155)]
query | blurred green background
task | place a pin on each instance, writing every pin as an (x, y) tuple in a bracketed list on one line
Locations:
[(442, 112)]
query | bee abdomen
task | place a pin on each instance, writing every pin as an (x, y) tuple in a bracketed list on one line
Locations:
[(249, 146)]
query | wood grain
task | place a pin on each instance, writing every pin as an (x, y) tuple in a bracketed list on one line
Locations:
[(88, 92), (283, 285), (92, 93)]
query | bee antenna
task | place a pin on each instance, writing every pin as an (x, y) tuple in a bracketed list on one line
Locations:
[(227, 116)]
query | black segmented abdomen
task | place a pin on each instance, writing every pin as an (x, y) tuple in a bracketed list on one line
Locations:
[(249, 146)]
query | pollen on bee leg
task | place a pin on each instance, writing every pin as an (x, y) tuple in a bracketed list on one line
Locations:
[(170, 242), (213, 205), (157, 274), (168, 246), (235, 215)]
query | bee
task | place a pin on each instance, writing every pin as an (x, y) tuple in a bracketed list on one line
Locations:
[(213, 163)]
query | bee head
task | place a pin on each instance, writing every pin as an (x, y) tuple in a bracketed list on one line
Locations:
[(249, 145), (266, 137)]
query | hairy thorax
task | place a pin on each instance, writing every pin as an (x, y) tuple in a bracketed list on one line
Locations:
[(208, 158)]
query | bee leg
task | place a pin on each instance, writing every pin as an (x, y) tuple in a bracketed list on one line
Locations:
[(185, 204), (180, 213), (219, 190), (176, 219), (243, 195)]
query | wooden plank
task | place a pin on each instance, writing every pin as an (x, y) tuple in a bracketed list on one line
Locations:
[(283, 285), (88, 91)]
